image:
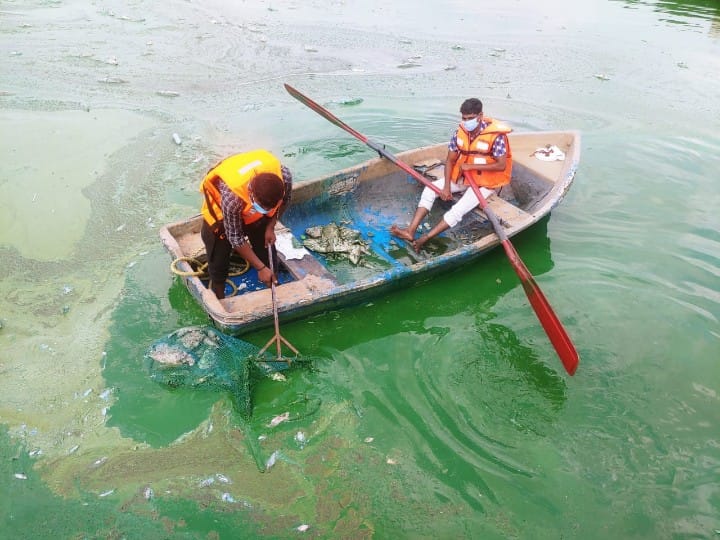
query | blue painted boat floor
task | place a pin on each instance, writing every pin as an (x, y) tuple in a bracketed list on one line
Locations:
[(372, 208)]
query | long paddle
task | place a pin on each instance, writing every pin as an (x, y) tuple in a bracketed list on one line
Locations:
[(545, 314)]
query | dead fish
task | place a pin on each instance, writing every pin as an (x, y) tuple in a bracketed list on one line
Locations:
[(335, 239), (208, 481), (106, 493), (170, 356), (21, 476), (303, 527), (279, 419), (272, 459), (222, 478)]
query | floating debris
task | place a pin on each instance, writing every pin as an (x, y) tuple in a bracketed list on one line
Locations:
[(349, 102), (303, 527), (167, 93), (310, 48), (457, 48), (408, 64), (112, 80), (279, 419), (391, 461), (148, 493), (21, 476), (35, 453), (73, 449), (228, 498), (277, 376), (601, 76), (100, 461), (301, 439), (369, 439), (177, 139), (106, 493)]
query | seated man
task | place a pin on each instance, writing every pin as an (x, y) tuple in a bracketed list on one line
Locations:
[(479, 151)]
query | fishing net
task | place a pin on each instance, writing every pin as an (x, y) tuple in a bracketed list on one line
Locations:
[(203, 357)]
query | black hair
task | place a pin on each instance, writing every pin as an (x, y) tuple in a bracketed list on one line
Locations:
[(268, 189), (471, 106)]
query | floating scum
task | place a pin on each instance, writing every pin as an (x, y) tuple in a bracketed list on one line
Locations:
[(204, 357)]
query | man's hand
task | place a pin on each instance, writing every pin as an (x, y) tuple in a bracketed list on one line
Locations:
[(446, 194), (265, 275)]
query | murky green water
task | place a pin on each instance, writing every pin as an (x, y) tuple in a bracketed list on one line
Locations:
[(439, 411)]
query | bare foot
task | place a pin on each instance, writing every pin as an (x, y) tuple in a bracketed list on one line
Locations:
[(420, 242), (401, 233)]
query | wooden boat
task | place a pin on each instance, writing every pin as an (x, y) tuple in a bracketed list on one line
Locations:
[(369, 198)]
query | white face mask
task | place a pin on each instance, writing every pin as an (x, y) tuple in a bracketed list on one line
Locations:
[(471, 124)]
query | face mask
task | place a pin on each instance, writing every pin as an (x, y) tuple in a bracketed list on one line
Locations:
[(259, 208), (470, 124)]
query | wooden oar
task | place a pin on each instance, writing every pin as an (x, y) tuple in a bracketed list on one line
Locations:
[(379, 149), (545, 314), (277, 338)]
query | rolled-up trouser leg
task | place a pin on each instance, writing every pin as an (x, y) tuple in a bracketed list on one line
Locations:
[(428, 196), (466, 203)]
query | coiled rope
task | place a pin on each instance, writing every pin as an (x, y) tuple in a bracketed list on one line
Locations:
[(237, 268)]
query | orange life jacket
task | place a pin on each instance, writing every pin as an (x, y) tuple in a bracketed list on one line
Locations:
[(479, 151), (237, 171)]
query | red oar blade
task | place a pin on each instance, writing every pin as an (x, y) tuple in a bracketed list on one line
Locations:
[(551, 324)]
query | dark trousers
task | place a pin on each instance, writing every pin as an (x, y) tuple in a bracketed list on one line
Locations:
[(219, 250)]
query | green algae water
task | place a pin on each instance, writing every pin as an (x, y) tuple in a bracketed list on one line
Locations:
[(437, 411)]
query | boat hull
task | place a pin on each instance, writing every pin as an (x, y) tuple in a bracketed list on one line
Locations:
[(369, 198)]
